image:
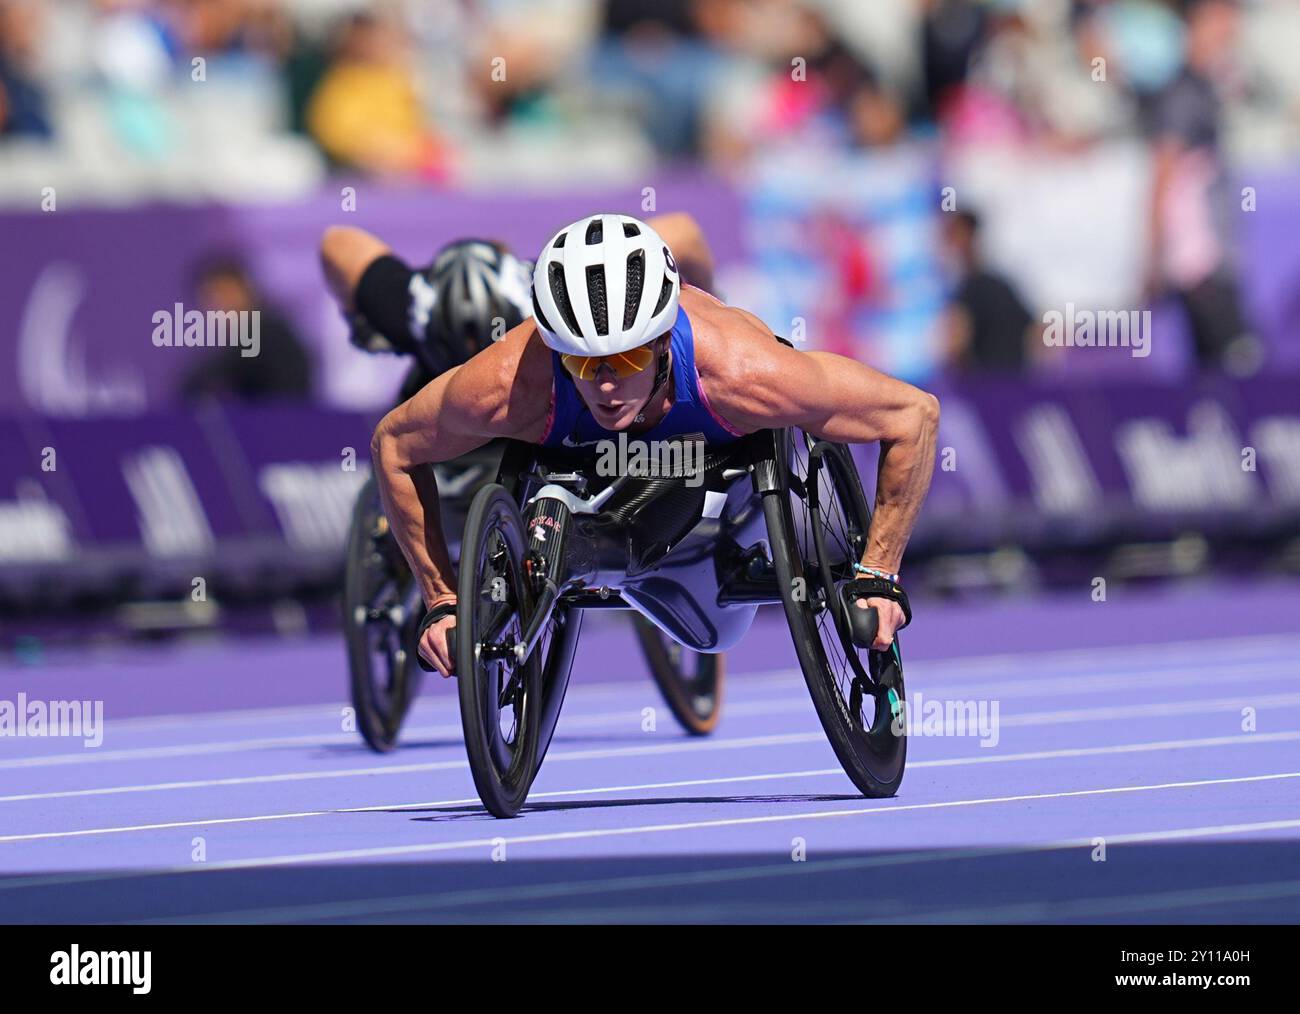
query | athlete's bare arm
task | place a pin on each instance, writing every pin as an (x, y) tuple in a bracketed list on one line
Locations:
[(345, 253), (754, 382), (504, 391)]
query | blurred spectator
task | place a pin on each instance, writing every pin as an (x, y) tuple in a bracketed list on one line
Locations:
[(813, 91), (365, 113), (1035, 75), (987, 327), (536, 43), (1192, 208), (22, 100), (281, 369), (950, 32), (654, 56)]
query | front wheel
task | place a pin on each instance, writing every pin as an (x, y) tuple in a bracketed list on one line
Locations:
[(690, 681), (817, 523), (500, 698)]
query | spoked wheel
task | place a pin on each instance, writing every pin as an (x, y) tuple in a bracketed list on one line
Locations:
[(690, 681), (817, 525), (380, 614), (500, 699)]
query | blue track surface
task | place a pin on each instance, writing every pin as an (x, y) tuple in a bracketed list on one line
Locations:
[(278, 814)]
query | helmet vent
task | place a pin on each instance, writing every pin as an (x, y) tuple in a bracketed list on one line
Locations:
[(560, 292), (595, 232), (541, 317), (631, 229), (597, 298), (559, 240), (664, 294), (635, 283)]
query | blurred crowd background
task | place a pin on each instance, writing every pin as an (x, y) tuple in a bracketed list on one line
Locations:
[(118, 101), (97, 92), (914, 183)]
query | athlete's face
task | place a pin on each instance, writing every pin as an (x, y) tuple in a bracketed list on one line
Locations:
[(615, 402)]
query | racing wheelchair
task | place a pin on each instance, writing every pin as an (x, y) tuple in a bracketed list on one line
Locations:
[(382, 609), (778, 516)]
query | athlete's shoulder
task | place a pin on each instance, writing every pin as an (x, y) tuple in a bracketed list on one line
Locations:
[(507, 386), (727, 338), (737, 358)]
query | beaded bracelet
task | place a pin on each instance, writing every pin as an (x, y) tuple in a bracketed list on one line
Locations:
[(860, 569)]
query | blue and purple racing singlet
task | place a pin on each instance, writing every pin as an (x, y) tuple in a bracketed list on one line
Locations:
[(572, 425)]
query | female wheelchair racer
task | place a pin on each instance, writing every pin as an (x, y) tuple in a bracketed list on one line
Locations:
[(440, 316), (617, 347), (779, 516)]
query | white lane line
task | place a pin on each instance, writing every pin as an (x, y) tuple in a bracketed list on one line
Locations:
[(1161, 710), (627, 716), (1192, 650), (519, 893), (1040, 718), (605, 753), (1171, 654), (435, 697), (467, 801), (1243, 739), (793, 704), (307, 858), (1180, 708)]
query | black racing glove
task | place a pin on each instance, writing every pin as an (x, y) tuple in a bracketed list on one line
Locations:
[(865, 622), (435, 614)]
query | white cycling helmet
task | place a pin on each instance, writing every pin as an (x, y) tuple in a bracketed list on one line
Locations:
[(604, 285)]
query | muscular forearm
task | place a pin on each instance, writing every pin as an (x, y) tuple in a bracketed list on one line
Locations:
[(410, 498), (902, 481), (869, 407), (406, 444)]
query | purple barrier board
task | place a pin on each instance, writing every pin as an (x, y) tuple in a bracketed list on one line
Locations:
[(262, 496), (77, 300), (1043, 462), (301, 466)]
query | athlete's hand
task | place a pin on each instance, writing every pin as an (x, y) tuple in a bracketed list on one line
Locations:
[(433, 645), (891, 618)]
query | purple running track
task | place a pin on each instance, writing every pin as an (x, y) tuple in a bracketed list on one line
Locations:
[(1144, 766)]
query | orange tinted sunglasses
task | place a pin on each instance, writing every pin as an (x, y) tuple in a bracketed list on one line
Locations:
[(624, 364)]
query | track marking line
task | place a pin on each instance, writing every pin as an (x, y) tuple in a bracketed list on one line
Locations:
[(923, 668), (1243, 739), (428, 848), (680, 746), (685, 745), (628, 716)]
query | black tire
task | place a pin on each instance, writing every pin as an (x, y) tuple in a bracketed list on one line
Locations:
[(690, 681), (380, 616), (859, 702), (500, 700)]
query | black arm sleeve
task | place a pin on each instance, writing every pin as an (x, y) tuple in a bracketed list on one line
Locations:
[(383, 298)]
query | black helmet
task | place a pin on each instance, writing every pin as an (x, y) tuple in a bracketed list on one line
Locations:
[(481, 291)]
